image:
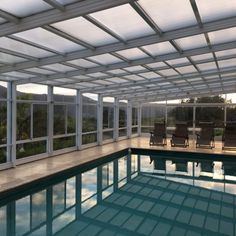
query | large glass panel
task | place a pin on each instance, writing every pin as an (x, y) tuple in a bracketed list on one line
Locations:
[(65, 142), (89, 184), (64, 94), (59, 119), (3, 89), (23, 121), (3, 122), (152, 113), (40, 120), (3, 155), (31, 92), (30, 149), (108, 118), (122, 119)]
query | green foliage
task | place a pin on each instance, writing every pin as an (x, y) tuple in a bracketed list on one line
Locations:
[(60, 143)]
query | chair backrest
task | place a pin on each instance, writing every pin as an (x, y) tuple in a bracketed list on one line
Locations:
[(159, 128), (181, 130), (207, 129)]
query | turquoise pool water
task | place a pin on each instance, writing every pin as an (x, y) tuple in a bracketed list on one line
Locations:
[(155, 194)]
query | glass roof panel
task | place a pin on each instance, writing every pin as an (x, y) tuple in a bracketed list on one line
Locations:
[(105, 59), (117, 80), (133, 77), (207, 66), (98, 74), (227, 63), (64, 80), (223, 36), (2, 20), (124, 21), (83, 63), (132, 54), (22, 8), (116, 72), (202, 57), (103, 82), (17, 74), (7, 58), (192, 42), (157, 65), (134, 68), (178, 61), (159, 48), (168, 72), (166, 15), (228, 52), (65, 2), (86, 31), (41, 71), (210, 11), (186, 69), (58, 67), (50, 40), (149, 75), (16, 46), (86, 84), (81, 77)]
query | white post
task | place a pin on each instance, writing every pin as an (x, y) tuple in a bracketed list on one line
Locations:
[(99, 119), (11, 122), (129, 119), (225, 110), (50, 120), (116, 119), (78, 120), (194, 120), (139, 120)]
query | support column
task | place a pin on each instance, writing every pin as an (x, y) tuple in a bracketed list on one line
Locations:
[(79, 108), (11, 122), (225, 110), (116, 119), (194, 120), (139, 120), (50, 120), (99, 119), (129, 119)]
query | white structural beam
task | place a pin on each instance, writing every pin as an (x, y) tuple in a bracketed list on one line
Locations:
[(151, 39), (99, 119), (116, 119), (51, 16), (9, 17)]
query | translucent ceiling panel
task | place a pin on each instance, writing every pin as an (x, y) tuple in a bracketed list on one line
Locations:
[(134, 68), (178, 61), (22, 8), (105, 59), (160, 48), (132, 54), (205, 56), (58, 67), (124, 21), (103, 82), (168, 72), (170, 14), (227, 63), (14, 45), (157, 65), (207, 66), (97, 75), (186, 69), (228, 52), (65, 2), (86, 31), (223, 36), (50, 40), (2, 20), (116, 72), (149, 75), (18, 75), (133, 77), (7, 58), (192, 42), (117, 80), (214, 10), (40, 71), (83, 63)]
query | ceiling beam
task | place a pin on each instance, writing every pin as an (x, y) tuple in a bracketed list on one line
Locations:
[(9, 17), (55, 4), (151, 39)]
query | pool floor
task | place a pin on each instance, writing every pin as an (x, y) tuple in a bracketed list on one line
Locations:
[(149, 205)]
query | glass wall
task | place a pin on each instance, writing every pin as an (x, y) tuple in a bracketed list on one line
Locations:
[(122, 118), (3, 122), (108, 118), (89, 113), (31, 120), (134, 120), (152, 113), (64, 118)]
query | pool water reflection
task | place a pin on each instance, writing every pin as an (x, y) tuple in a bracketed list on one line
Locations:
[(131, 195)]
